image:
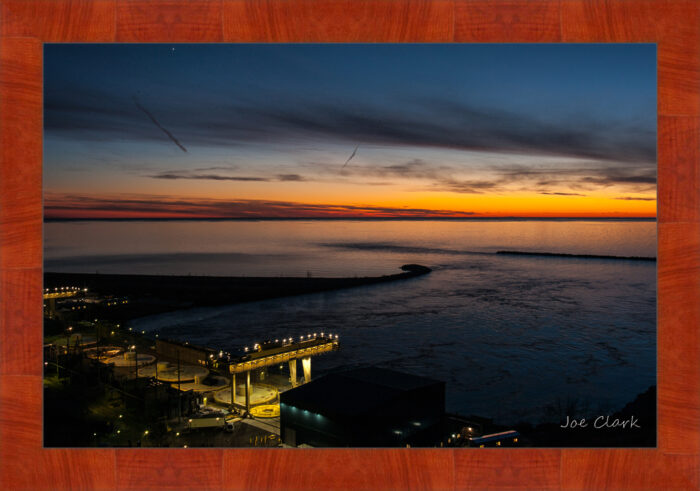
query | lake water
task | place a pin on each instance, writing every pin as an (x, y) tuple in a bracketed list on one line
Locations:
[(510, 335)]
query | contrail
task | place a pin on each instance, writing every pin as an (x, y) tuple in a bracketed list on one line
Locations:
[(351, 156), (155, 121)]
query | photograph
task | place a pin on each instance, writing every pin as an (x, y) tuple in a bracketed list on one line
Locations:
[(349, 245)]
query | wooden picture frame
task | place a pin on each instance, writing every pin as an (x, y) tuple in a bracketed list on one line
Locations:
[(673, 24)]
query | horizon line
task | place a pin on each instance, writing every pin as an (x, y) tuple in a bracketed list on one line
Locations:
[(364, 218)]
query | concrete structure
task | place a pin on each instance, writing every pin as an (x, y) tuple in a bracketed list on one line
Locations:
[(204, 385), (129, 359), (76, 341), (168, 372), (363, 407), (187, 353), (50, 296), (278, 353), (259, 394)]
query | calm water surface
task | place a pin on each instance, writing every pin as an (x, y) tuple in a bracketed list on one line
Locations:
[(509, 335)]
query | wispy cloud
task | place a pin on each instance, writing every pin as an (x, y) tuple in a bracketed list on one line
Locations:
[(633, 198), (206, 177), (160, 126), (563, 194), (224, 177), (426, 123), (290, 177), (76, 206), (562, 178)]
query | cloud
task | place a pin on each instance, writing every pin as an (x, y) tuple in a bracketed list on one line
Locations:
[(222, 177), (568, 175), (632, 198), (77, 206), (290, 177), (160, 126), (215, 167), (617, 179), (563, 194), (426, 123), (209, 177), (465, 186)]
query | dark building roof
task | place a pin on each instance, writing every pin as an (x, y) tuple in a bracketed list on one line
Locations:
[(354, 392)]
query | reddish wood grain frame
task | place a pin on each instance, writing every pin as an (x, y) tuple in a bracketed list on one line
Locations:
[(26, 24)]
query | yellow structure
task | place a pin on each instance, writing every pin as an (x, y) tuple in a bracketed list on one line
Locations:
[(266, 411), (62, 292), (287, 352)]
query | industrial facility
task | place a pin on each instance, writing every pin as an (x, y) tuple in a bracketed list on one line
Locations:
[(363, 407)]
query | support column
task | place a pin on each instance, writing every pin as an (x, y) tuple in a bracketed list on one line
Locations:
[(247, 391), (293, 372), (233, 388), (306, 363), (52, 307)]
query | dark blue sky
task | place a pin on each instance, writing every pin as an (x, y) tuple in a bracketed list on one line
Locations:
[(264, 111)]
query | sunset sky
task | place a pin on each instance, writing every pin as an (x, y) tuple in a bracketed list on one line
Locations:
[(266, 130)]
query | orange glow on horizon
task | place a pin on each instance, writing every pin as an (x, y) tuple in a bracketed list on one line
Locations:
[(420, 205)]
